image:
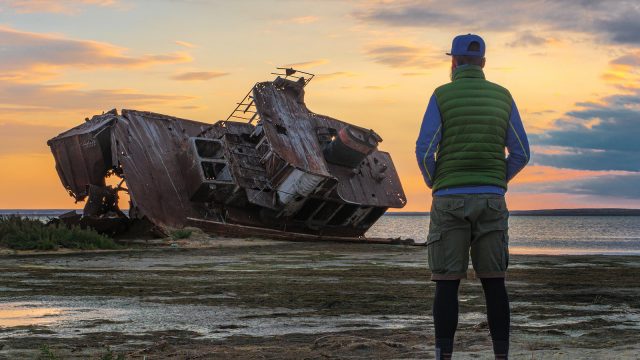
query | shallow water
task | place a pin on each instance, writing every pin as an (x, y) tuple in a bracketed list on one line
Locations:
[(25, 313), (543, 235), (549, 235), (74, 317)]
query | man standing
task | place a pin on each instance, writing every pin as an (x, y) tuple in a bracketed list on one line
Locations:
[(461, 153)]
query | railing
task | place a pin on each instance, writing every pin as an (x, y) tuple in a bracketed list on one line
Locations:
[(247, 110)]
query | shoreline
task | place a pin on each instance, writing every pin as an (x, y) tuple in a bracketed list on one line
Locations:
[(203, 241), (559, 235), (536, 212), (252, 299)]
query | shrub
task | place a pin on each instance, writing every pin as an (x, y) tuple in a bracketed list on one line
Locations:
[(28, 234), (111, 356), (46, 354), (181, 234)]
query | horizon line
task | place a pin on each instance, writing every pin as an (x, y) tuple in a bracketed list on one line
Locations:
[(388, 211)]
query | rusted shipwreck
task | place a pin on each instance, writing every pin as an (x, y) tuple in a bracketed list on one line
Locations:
[(272, 169)]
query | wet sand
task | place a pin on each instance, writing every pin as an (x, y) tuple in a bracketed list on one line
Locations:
[(257, 299)]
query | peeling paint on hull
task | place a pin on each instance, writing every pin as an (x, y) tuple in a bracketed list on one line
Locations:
[(287, 169)]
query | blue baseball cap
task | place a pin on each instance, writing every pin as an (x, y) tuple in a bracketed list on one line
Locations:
[(462, 43)]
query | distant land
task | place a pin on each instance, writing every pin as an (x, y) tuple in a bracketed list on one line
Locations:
[(548, 212), (578, 212)]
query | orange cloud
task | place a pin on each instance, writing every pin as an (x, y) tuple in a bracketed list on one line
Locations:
[(332, 76), (57, 6), (31, 59), (552, 200), (185, 44), (304, 19), (300, 20), (26, 51), (528, 201), (415, 74), (623, 72), (529, 38), (192, 107), (552, 150), (62, 97), (198, 75), (544, 174), (307, 64), (380, 87), (404, 55)]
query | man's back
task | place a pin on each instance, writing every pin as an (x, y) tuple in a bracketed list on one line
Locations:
[(475, 119)]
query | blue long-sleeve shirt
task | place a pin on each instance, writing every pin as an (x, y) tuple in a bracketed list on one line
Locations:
[(429, 139)]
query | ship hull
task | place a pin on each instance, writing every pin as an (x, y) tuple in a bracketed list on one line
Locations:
[(293, 171)]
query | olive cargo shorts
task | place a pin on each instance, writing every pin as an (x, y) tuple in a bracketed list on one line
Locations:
[(476, 223)]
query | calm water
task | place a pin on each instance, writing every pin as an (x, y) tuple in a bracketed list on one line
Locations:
[(616, 235)]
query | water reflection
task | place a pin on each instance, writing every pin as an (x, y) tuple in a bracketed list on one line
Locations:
[(550, 235), (25, 314)]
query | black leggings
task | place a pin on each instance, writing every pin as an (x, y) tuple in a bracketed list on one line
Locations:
[(445, 313)]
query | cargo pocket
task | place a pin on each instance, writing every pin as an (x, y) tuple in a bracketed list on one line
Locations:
[(448, 205), (448, 212), (498, 204), (498, 214), (435, 252), (505, 251)]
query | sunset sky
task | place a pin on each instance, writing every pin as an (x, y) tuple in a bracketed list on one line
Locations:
[(572, 67)]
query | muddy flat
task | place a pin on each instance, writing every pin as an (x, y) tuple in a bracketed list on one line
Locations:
[(254, 299)]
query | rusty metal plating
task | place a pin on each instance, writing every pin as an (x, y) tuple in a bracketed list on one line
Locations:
[(281, 171)]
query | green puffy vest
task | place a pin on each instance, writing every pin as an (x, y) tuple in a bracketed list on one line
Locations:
[(475, 118)]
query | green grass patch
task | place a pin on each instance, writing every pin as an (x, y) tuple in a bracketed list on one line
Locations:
[(46, 354), (28, 234), (111, 356), (181, 234)]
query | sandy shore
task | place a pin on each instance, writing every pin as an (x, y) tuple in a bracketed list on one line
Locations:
[(255, 299)]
